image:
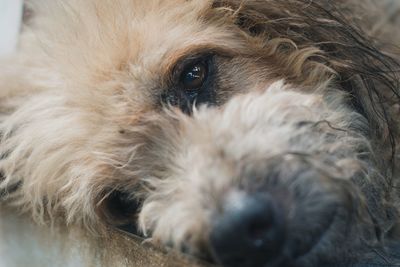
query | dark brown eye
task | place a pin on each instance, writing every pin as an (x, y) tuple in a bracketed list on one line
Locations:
[(194, 76)]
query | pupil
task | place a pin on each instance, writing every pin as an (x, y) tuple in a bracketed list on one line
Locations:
[(195, 77), (192, 76)]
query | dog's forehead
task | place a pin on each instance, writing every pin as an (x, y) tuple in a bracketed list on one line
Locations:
[(164, 31), (130, 42)]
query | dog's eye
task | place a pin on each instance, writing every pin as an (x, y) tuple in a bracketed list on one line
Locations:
[(120, 210), (192, 84), (194, 76)]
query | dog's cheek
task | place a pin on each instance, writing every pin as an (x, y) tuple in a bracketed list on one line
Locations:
[(176, 220)]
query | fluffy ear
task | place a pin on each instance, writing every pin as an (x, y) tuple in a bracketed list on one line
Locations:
[(360, 68)]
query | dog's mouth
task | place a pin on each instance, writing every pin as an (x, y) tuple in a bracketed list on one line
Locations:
[(308, 249), (284, 252)]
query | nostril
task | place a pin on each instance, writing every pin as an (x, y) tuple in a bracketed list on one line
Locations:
[(250, 228)]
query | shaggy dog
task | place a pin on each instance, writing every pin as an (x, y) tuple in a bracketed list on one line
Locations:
[(248, 133)]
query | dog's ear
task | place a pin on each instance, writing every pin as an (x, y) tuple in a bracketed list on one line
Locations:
[(118, 208), (370, 76)]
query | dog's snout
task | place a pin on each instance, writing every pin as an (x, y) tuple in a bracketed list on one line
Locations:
[(249, 231)]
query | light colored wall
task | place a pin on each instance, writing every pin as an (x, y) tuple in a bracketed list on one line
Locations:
[(22, 244), (10, 18)]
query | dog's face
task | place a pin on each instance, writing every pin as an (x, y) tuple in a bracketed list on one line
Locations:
[(237, 131)]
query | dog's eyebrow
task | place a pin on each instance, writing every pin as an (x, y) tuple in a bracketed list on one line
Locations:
[(194, 52)]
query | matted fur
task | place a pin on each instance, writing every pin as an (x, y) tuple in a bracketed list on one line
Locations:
[(305, 105)]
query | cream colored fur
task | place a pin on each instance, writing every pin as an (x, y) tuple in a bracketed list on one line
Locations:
[(80, 118)]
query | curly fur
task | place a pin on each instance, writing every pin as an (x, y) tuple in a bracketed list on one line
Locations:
[(305, 106)]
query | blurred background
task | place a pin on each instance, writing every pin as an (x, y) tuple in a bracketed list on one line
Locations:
[(10, 18)]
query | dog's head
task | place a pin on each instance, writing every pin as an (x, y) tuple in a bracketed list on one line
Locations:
[(250, 132)]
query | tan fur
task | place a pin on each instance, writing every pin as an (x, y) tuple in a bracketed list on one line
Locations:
[(81, 117)]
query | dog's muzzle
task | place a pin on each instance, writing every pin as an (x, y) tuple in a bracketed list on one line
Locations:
[(267, 228)]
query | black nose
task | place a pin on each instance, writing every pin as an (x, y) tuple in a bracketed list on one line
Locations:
[(249, 232)]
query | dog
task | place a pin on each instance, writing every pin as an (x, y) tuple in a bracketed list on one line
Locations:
[(245, 133)]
